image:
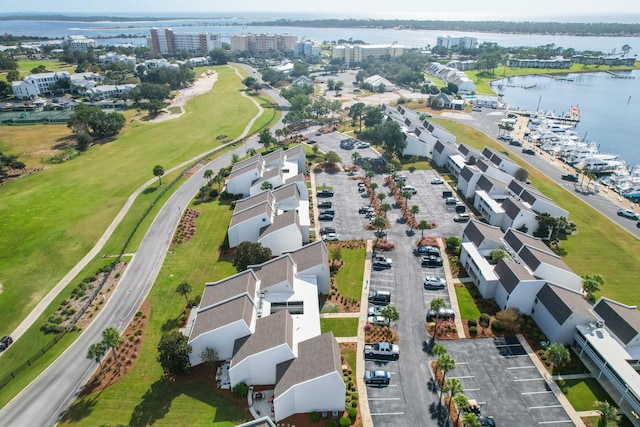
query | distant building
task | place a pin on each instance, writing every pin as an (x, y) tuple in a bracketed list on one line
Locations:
[(306, 48), (79, 43), (256, 43), (350, 53), (451, 42), (629, 61), (168, 42), (37, 84), (112, 57), (558, 62)]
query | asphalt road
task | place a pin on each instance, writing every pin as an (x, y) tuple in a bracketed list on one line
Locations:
[(46, 399)]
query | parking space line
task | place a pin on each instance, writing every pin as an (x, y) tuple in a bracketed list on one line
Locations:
[(529, 379), (536, 392), (462, 377), (387, 413), (382, 287), (545, 407), (556, 422), (523, 367), (384, 398), (462, 363), (471, 389)]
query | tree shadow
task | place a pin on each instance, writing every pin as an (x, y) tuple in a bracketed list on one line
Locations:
[(80, 409), (439, 414), (155, 404), (427, 346), (149, 190), (170, 324)]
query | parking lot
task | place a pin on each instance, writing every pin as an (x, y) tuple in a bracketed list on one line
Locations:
[(410, 398), (498, 373)]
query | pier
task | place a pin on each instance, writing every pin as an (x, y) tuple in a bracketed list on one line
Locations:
[(618, 76)]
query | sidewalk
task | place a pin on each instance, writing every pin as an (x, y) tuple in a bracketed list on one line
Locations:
[(453, 298), (363, 398)]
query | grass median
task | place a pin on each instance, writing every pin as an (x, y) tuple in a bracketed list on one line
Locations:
[(341, 327)]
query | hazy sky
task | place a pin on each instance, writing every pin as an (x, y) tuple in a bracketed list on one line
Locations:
[(562, 10)]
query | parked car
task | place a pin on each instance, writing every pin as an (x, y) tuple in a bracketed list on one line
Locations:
[(451, 201), (429, 250), (432, 282), (364, 145), (462, 217), (507, 138), (516, 142), (477, 108), (377, 378), (324, 193), (330, 237), (431, 261), (628, 213), (529, 151), (312, 141), (569, 177), (437, 181), (325, 205), (380, 297), (365, 209), (512, 116), (378, 320), (443, 313), (5, 342), (461, 208), (487, 421), (410, 189), (325, 217), (380, 263), (374, 310), (362, 189), (328, 211), (327, 230)]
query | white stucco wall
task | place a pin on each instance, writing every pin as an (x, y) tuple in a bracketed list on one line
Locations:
[(222, 340), (285, 239), (241, 183), (247, 230), (260, 368), (326, 393)]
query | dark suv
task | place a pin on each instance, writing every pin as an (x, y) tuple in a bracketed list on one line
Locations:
[(5, 342)]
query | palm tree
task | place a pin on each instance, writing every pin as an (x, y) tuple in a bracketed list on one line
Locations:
[(379, 223), (436, 305), (95, 353), (445, 363), (407, 195), (112, 339), (608, 413), (218, 179), (158, 171), (462, 403), (439, 350), (454, 387), (278, 134), (423, 225), (208, 174), (184, 288), (386, 207), (355, 156), (381, 196), (415, 209), (373, 186), (558, 354), (471, 420)]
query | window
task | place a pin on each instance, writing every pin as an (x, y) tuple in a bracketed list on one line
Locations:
[(294, 307)]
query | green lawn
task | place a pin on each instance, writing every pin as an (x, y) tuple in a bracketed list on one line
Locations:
[(582, 394), (349, 357), (142, 397), (599, 247), (345, 327), (53, 214), (468, 309), (25, 66), (350, 276)]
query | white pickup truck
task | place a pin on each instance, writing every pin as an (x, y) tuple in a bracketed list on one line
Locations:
[(382, 349)]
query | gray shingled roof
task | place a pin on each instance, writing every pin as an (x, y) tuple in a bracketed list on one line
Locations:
[(561, 302), (281, 221), (482, 165), (232, 286), (317, 356), (477, 232), (240, 217), (516, 187), (271, 173), (274, 156), (622, 320), (297, 178), (487, 183), (297, 149), (513, 207), (237, 171), (511, 273), (286, 191), (252, 201), (274, 271), (271, 331), (310, 255), (467, 172), (245, 162), (534, 257), (220, 315), (517, 239), (439, 147), (463, 149)]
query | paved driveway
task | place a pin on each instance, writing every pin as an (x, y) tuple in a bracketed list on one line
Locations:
[(499, 374)]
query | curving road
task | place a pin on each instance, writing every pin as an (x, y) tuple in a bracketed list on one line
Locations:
[(45, 399)]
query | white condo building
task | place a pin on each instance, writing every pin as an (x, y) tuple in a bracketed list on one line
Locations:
[(354, 53), (450, 42)]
